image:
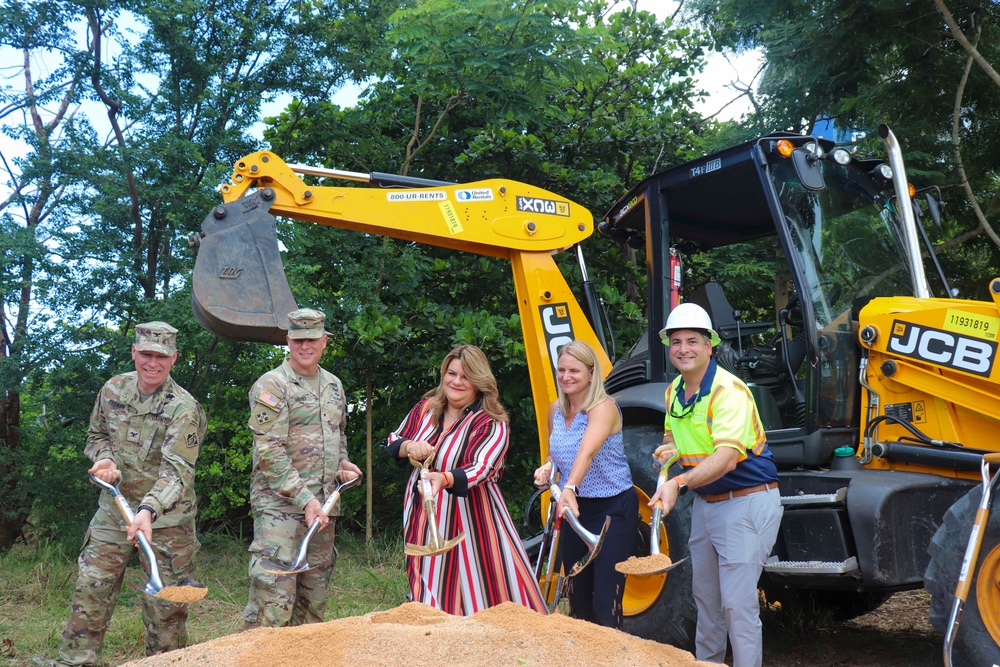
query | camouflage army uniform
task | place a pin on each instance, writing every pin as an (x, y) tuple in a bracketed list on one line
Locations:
[(299, 443), (154, 443)]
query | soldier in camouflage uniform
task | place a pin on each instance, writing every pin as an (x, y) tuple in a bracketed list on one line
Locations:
[(146, 431), (297, 414)]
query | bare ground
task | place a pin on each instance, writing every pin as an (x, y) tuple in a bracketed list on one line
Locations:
[(897, 633)]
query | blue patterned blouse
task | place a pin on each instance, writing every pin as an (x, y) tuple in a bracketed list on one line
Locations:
[(609, 473)]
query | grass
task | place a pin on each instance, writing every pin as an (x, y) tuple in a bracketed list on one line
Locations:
[(36, 586)]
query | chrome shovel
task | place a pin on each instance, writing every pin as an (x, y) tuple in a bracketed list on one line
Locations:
[(188, 590), (301, 563), (593, 542), (439, 544), (656, 562)]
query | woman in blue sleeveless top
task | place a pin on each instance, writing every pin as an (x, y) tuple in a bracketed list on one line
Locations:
[(585, 445)]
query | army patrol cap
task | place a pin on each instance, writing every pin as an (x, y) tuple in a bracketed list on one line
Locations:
[(306, 323), (157, 337)]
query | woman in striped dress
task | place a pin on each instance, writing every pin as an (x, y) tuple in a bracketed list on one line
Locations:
[(463, 426)]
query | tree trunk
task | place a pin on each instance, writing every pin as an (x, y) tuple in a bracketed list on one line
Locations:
[(368, 463), (12, 516)]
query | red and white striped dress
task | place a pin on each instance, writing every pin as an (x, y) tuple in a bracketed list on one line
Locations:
[(489, 566)]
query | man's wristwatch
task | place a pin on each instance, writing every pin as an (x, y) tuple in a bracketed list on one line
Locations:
[(152, 512), (682, 486)]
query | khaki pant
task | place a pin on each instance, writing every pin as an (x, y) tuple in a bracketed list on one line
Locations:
[(102, 561), (294, 599)]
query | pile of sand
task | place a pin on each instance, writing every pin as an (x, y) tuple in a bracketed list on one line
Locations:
[(415, 635)]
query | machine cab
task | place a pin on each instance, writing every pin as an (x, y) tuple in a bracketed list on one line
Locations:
[(826, 224)]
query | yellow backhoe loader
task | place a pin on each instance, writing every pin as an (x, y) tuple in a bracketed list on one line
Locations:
[(879, 399)]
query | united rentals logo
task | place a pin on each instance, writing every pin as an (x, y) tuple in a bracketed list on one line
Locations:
[(544, 206), (474, 194), (935, 346)]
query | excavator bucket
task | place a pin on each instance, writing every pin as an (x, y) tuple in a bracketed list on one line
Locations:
[(239, 290)]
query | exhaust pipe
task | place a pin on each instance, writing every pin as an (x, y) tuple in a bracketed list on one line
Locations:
[(921, 290)]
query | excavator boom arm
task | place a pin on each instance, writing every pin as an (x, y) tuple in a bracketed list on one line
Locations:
[(239, 287)]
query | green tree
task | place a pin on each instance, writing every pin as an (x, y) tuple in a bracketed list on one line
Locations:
[(569, 96), (94, 228)]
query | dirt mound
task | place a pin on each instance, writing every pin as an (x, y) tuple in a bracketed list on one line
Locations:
[(415, 634)]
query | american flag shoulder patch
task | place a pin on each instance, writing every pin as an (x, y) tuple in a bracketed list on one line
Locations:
[(269, 399)]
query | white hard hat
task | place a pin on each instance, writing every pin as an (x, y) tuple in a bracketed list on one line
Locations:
[(688, 316)]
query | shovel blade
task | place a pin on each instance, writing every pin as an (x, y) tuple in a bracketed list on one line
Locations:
[(592, 554), (432, 550), (653, 568), (185, 591), (278, 568)]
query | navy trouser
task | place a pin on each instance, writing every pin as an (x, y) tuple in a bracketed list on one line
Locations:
[(595, 594)]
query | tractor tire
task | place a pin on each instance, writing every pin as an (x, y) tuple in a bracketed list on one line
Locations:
[(978, 639), (660, 608)]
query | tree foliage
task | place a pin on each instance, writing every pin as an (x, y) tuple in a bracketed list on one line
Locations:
[(140, 108), (146, 106), (926, 68), (564, 95)]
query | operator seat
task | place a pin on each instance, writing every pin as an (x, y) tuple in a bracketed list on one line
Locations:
[(730, 354), (725, 318)]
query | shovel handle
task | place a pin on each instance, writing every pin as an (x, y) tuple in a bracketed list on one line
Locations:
[(971, 557), (552, 564), (546, 540), (126, 511), (331, 500), (654, 533), (430, 509)]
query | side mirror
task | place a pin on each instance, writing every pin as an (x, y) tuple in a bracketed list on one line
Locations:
[(934, 209), (807, 169)]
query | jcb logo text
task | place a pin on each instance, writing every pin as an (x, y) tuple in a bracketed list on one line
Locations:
[(972, 355), (558, 330)]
